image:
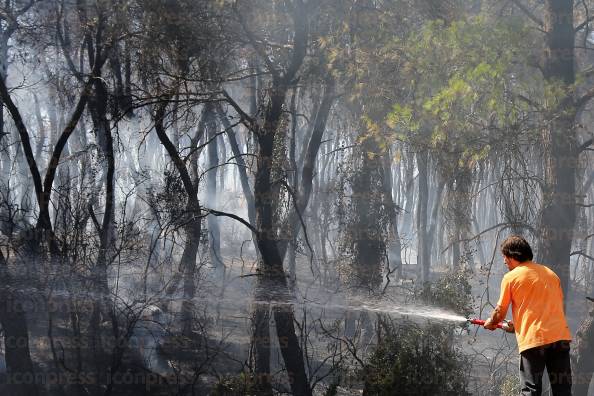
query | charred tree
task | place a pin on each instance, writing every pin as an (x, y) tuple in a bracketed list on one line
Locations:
[(558, 211), (43, 189), (305, 182), (423, 252), (458, 212), (214, 232), (272, 282), (583, 352), (368, 239), (192, 222), (393, 211), (16, 336)]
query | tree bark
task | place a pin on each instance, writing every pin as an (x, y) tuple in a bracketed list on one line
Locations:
[(241, 165), (409, 193), (98, 109), (307, 173), (583, 353), (43, 189), (261, 344), (395, 246), (214, 233), (193, 223), (423, 253), (16, 338), (558, 210), (434, 220), (241, 169), (4, 157), (272, 282)]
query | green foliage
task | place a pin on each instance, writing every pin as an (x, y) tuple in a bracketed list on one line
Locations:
[(413, 360), (462, 92), (169, 200), (241, 384), (510, 386), (332, 390), (451, 291)]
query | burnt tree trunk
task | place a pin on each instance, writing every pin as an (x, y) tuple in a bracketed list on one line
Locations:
[(241, 167), (4, 156), (558, 211), (188, 267), (434, 221), (367, 232), (192, 226), (583, 354), (101, 304), (307, 173), (395, 246), (423, 252), (16, 337), (101, 126), (272, 282), (212, 149), (459, 209), (409, 195), (293, 178)]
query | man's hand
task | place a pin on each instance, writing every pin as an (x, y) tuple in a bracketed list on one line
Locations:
[(497, 317), (490, 325), (509, 327)]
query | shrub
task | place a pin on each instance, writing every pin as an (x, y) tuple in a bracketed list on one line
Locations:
[(241, 384), (414, 360), (510, 385), (451, 291)]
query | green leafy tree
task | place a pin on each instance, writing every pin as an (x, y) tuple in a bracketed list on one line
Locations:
[(464, 102)]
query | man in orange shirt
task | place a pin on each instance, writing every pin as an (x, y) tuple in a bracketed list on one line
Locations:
[(543, 336)]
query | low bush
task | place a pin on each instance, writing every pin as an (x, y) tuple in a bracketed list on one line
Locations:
[(415, 360)]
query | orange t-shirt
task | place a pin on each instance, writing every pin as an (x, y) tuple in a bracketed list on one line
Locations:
[(537, 305)]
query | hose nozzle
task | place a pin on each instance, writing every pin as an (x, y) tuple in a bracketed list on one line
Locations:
[(507, 326), (480, 322)]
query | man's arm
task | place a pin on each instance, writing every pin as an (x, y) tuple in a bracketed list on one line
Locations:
[(496, 317), (502, 305)]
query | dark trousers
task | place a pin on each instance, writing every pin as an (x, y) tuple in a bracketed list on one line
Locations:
[(555, 357)]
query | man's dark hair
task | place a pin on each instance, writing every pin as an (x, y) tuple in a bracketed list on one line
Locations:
[(517, 248)]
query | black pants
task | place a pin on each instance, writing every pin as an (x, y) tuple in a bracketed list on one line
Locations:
[(555, 357)]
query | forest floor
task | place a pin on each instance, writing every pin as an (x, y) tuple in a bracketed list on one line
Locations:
[(493, 355), (323, 309)]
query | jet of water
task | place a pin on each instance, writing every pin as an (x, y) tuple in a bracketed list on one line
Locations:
[(379, 307)]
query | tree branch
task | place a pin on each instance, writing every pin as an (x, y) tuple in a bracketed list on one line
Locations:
[(583, 24), (94, 218), (24, 135), (234, 217), (528, 13), (52, 167), (581, 253), (299, 41), (260, 50), (246, 120), (584, 99), (528, 101), (65, 50), (172, 151), (504, 225), (585, 145), (298, 212)]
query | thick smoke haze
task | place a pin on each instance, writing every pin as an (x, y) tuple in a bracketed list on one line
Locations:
[(269, 197)]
